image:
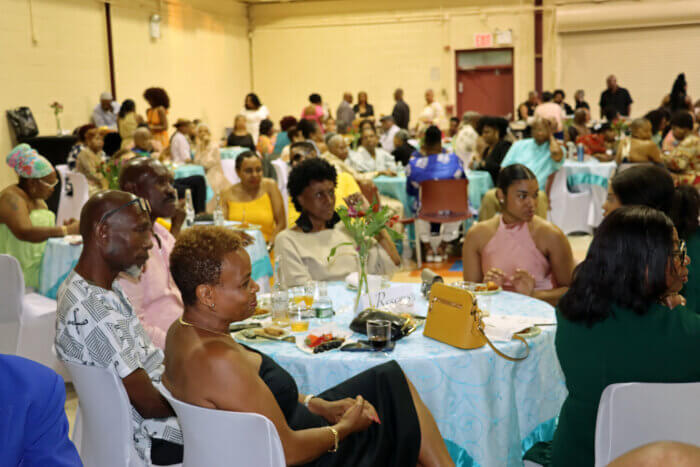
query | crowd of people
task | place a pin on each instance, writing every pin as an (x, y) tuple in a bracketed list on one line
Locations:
[(154, 299)]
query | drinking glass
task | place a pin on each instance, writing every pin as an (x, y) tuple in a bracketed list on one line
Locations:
[(299, 324), (379, 333), (280, 307)]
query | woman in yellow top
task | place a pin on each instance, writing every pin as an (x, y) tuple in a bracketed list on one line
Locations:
[(346, 185), (25, 221), (157, 115), (127, 122), (255, 199)]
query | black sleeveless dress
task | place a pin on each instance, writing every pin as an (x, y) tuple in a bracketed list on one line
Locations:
[(394, 442)]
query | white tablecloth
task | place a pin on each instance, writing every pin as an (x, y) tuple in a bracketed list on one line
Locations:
[(493, 408), (591, 176)]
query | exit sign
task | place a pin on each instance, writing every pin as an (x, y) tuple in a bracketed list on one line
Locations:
[(483, 40)]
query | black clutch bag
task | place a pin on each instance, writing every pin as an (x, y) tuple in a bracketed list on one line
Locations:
[(400, 326)]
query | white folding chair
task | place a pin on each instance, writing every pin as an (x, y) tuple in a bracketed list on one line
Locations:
[(282, 172), (229, 166), (27, 321), (69, 206), (105, 418), (569, 210), (631, 415), (220, 438)]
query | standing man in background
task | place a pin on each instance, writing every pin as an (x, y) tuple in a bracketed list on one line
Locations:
[(401, 112), (345, 115), (616, 97), (432, 114), (105, 114)]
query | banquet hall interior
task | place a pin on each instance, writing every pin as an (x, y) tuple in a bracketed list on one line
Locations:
[(350, 233)]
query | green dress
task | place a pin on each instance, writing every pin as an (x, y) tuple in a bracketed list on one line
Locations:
[(691, 290), (27, 253), (661, 346)]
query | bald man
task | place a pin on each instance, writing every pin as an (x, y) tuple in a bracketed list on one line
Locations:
[(615, 97), (638, 148), (432, 114), (96, 325), (345, 115), (153, 295)]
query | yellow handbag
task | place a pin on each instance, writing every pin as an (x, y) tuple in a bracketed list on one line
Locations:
[(454, 318)]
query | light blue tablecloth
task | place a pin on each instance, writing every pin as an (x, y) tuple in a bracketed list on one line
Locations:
[(493, 408), (232, 152), (189, 170), (60, 258)]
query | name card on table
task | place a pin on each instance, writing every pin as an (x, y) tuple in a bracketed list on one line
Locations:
[(385, 297)]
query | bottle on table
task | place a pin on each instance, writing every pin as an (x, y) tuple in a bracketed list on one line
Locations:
[(218, 212), (189, 209), (580, 152)]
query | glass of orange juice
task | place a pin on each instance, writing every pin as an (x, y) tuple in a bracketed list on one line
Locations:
[(303, 295), (298, 323)]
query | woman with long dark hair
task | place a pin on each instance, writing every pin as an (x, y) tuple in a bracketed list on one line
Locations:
[(127, 122), (620, 322)]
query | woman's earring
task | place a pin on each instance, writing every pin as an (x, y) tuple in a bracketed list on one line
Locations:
[(212, 306)]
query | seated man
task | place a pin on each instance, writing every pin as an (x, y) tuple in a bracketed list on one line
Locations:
[(639, 147), (154, 296), (465, 144), (433, 163), (105, 113), (389, 130), (96, 325), (601, 144), (180, 150), (33, 425), (541, 154), (370, 158), (684, 160), (143, 146)]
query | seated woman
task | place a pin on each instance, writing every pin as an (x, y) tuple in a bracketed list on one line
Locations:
[(375, 418), (240, 135), (493, 131), (433, 163), (659, 119), (615, 325), (79, 145), (266, 143), (282, 140), (90, 159), (639, 147), (127, 122), (206, 154), (578, 126), (653, 186), (601, 144), (684, 159), (255, 199), (402, 149), (517, 250), (302, 250), (25, 221)]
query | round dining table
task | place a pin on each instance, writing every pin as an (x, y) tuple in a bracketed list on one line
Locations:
[(493, 408)]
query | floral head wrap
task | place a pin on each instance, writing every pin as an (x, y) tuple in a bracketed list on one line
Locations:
[(28, 163)]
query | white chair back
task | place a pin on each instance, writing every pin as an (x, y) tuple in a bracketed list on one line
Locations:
[(229, 166), (569, 211), (11, 291), (631, 415), (106, 439), (70, 206), (282, 172), (219, 438)]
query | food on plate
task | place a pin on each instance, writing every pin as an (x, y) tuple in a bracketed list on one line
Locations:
[(270, 331), (261, 311), (315, 342), (488, 287)]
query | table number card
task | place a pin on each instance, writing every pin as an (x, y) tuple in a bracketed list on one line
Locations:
[(385, 297)]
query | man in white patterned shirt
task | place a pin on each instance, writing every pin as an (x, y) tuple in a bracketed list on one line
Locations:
[(370, 158), (96, 325)]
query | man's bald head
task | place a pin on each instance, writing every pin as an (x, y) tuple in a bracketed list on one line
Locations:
[(97, 206), (151, 180), (136, 170), (347, 97), (142, 138)]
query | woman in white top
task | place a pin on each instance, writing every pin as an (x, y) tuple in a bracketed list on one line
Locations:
[(254, 113), (207, 155), (302, 250)]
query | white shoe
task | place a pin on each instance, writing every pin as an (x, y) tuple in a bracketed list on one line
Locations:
[(430, 258)]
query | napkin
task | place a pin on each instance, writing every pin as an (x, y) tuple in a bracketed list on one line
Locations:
[(374, 281), (502, 327)]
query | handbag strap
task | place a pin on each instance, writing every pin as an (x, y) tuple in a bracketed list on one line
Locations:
[(507, 357)]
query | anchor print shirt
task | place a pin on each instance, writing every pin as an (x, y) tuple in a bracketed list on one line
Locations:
[(98, 327)]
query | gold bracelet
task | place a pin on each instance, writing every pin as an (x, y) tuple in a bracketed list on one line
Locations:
[(335, 439)]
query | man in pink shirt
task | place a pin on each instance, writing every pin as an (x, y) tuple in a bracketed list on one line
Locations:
[(549, 110), (154, 295)]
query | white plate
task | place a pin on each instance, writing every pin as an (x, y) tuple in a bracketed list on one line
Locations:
[(240, 336), (471, 286), (329, 328), (73, 239)]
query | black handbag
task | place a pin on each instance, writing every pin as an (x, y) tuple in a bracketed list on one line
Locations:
[(22, 121), (400, 326)]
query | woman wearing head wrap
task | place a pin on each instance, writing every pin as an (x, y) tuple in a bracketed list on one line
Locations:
[(25, 221)]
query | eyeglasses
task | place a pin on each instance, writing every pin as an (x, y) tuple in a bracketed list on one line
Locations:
[(140, 202), (48, 185), (681, 252)]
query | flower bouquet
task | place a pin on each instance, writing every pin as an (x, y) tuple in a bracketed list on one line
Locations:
[(57, 109), (110, 171), (363, 222)]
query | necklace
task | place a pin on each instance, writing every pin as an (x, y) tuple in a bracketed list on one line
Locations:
[(185, 323)]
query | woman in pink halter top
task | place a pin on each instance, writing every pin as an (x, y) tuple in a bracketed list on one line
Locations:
[(517, 250)]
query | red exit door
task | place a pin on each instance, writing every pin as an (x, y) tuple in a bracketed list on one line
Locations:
[(487, 89)]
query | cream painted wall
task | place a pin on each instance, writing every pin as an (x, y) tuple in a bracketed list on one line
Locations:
[(201, 59), (67, 63), (333, 46)]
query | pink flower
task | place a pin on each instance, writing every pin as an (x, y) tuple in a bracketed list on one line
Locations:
[(352, 212)]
